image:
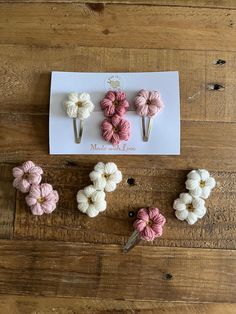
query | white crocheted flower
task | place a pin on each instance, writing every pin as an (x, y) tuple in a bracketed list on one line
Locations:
[(90, 201), (105, 176), (189, 208), (200, 183), (78, 105)]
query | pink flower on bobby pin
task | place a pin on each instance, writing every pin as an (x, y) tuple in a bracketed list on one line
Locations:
[(148, 104), (42, 199), (26, 175), (113, 103), (149, 223), (115, 130)]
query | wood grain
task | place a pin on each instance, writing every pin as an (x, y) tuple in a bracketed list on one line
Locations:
[(152, 187), (7, 203), (86, 270), (65, 24), (49, 305), (25, 76)]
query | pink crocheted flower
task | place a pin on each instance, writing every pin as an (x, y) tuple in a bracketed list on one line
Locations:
[(115, 130), (42, 199), (26, 175), (149, 223), (114, 103), (148, 103)]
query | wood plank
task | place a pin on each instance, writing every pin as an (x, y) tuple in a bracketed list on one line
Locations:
[(203, 144), (46, 305), (25, 76), (43, 24), (7, 203), (152, 187), (102, 271)]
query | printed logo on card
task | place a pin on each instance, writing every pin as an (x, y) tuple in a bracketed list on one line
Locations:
[(114, 82)]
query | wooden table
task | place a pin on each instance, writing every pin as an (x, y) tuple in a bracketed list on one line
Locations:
[(68, 263)]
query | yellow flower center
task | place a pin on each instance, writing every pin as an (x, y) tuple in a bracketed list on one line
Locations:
[(41, 200), (115, 129), (116, 103), (202, 184), (190, 207), (106, 176), (90, 200), (79, 104)]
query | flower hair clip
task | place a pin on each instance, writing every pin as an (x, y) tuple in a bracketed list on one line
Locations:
[(191, 206), (148, 226), (115, 128), (148, 104), (105, 177), (78, 106), (41, 197)]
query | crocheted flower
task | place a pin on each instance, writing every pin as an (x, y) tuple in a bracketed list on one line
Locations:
[(42, 199), (115, 130), (149, 223), (200, 183), (90, 201), (105, 176), (114, 103), (189, 208), (79, 105), (148, 103), (26, 175)]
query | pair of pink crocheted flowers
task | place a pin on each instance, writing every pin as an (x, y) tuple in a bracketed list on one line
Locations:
[(41, 198), (115, 128)]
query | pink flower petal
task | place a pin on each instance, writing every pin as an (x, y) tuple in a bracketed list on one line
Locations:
[(139, 225), (107, 135), (152, 110), (109, 111), (17, 172), (120, 95), (143, 215), (46, 189), (34, 178), (154, 95), (36, 209), (48, 207), (24, 186), (115, 120), (106, 125), (110, 95), (160, 220), (142, 110), (153, 213), (115, 140), (148, 234), (30, 200), (36, 170), (35, 191), (27, 166), (157, 229)]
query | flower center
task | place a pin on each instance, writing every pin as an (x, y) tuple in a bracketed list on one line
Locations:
[(190, 208), (116, 103), (26, 176), (115, 129), (202, 184), (79, 104), (90, 200), (41, 200), (148, 102), (150, 222), (106, 176)]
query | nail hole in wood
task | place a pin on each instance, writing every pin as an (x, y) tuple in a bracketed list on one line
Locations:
[(131, 213), (131, 181), (168, 276), (97, 7), (219, 62), (215, 86)]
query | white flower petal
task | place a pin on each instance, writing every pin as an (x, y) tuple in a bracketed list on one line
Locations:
[(196, 192), (89, 190), (205, 192), (181, 215), (73, 97), (179, 205), (71, 110), (101, 206), (98, 196), (204, 174), (92, 211), (200, 212), (100, 183), (194, 175), (186, 198), (110, 167), (83, 113), (81, 197), (83, 206), (110, 186), (83, 97), (95, 175), (89, 106), (116, 176), (198, 203), (192, 218), (100, 167), (191, 184), (210, 182)]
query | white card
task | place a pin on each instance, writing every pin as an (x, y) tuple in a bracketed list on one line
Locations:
[(165, 133)]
